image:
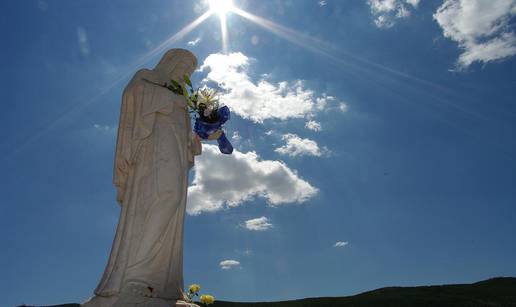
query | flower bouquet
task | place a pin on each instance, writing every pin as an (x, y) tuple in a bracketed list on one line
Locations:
[(210, 118), (204, 299), (209, 115)]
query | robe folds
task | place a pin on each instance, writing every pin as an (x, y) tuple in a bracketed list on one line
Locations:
[(154, 152)]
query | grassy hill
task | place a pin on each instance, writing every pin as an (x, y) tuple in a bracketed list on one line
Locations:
[(496, 292)]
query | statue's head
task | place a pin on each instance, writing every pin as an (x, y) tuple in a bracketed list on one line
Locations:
[(176, 63)]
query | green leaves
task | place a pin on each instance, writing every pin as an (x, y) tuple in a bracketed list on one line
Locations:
[(180, 89), (175, 84), (187, 80), (188, 97), (198, 100), (191, 96)]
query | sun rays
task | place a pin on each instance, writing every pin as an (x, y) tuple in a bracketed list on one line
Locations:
[(350, 63), (173, 39), (224, 33), (382, 75), (221, 8)]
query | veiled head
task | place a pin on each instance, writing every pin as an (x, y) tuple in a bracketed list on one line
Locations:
[(176, 63)]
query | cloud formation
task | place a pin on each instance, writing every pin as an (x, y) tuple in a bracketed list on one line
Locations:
[(105, 129), (480, 27), (229, 264), (296, 146), (386, 12), (259, 100), (343, 107), (82, 38), (313, 125), (224, 181), (340, 244), (258, 224), (194, 42), (236, 137)]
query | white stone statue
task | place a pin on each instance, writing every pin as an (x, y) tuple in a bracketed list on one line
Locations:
[(154, 151)]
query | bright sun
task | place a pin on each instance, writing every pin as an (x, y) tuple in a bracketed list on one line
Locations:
[(221, 7)]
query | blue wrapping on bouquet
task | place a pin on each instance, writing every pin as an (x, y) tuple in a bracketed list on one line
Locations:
[(204, 129)]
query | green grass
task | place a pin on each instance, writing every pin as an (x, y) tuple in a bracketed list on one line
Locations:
[(496, 292)]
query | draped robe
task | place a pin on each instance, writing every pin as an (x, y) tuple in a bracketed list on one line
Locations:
[(155, 149)]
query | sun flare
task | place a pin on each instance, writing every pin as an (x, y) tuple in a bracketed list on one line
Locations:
[(221, 7)]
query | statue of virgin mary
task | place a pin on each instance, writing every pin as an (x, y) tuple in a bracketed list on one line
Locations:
[(155, 149)]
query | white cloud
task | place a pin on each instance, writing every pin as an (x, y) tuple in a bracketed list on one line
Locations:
[(259, 100), (386, 12), (236, 137), (229, 264), (414, 3), (343, 107), (194, 42), (296, 146), (313, 125), (329, 103), (104, 128), (340, 244), (82, 38), (322, 102), (224, 181), (258, 224), (480, 27)]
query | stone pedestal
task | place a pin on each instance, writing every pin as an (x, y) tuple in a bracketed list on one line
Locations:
[(134, 301)]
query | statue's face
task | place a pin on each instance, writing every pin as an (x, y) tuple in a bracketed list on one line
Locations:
[(180, 69), (175, 64)]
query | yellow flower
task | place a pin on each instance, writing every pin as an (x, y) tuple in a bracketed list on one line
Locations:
[(194, 288), (207, 299)]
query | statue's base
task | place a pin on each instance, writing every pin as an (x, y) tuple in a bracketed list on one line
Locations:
[(135, 294), (133, 301)]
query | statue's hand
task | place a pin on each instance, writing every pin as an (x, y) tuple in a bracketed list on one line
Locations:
[(197, 138), (215, 135)]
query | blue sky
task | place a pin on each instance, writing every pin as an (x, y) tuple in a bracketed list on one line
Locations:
[(385, 125)]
